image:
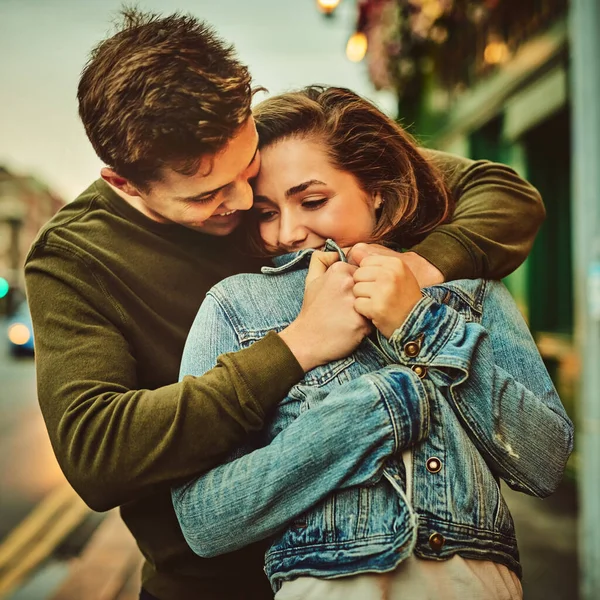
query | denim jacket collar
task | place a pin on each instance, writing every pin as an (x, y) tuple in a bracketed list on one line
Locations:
[(470, 291), (299, 259)]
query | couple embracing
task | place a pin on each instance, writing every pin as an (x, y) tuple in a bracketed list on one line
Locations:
[(355, 382)]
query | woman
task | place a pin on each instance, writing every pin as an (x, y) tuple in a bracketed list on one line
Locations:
[(449, 391)]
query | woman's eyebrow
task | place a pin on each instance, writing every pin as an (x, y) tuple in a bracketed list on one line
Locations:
[(302, 186), (263, 200)]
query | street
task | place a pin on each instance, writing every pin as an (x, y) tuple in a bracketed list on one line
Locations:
[(42, 522), (28, 469), (30, 476)]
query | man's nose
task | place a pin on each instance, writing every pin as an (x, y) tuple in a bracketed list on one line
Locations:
[(242, 199)]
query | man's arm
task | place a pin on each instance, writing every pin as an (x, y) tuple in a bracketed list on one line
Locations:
[(492, 230), (114, 441)]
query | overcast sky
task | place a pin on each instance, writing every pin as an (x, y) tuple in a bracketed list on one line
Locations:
[(44, 45)]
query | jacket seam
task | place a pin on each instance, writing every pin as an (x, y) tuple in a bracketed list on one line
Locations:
[(43, 239), (232, 361)]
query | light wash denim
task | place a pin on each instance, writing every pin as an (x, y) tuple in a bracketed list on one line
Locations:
[(461, 384)]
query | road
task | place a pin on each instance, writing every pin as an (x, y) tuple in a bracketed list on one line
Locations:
[(28, 469), (42, 522)]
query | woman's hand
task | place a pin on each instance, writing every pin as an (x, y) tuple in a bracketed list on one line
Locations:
[(422, 269), (328, 327), (385, 290)]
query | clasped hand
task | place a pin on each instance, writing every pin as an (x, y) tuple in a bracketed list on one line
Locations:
[(343, 301)]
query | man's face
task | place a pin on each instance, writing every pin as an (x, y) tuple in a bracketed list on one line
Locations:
[(210, 200)]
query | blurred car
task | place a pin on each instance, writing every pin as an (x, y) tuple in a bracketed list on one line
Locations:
[(20, 331)]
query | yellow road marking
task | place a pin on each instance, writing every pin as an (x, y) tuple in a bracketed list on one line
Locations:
[(31, 542)]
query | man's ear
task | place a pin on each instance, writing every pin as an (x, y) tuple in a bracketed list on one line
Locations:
[(119, 182)]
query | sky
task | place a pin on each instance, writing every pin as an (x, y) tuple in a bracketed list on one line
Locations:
[(44, 44)]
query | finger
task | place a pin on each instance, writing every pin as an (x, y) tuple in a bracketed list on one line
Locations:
[(364, 307), (363, 290), (319, 263), (357, 253), (383, 250), (382, 260), (367, 274), (342, 267)]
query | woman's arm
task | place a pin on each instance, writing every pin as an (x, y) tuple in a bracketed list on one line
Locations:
[(525, 433), (496, 219), (343, 441), (504, 398), (497, 382)]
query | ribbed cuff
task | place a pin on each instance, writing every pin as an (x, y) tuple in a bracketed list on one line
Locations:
[(269, 370)]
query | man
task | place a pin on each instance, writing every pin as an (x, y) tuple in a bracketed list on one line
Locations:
[(116, 278)]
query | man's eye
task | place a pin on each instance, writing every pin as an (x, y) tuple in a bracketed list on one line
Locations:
[(204, 199)]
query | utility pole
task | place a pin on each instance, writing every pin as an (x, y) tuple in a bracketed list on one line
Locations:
[(585, 84)]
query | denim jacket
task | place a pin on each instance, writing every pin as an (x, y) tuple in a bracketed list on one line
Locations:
[(460, 384)]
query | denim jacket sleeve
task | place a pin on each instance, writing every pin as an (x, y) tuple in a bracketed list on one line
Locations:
[(343, 441), (504, 398)]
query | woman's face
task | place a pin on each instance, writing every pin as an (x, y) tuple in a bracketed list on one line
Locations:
[(300, 199)]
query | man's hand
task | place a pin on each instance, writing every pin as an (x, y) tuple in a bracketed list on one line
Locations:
[(421, 268), (328, 327), (386, 291)]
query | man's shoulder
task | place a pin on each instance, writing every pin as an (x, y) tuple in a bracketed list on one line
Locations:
[(73, 219)]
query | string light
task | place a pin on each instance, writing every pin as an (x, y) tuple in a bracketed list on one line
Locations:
[(496, 53), (327, 6), (18, 334), (357, 45)]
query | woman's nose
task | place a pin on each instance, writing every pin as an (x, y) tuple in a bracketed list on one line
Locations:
[(291, 233)]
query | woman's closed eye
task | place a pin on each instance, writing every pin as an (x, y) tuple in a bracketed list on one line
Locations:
[(313, 203), (265, 215)]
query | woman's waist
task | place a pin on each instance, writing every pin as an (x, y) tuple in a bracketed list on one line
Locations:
[(430, 538)]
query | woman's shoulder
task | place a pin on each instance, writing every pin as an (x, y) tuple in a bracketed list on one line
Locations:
[(251, 296), (476, 295), (469, 291)]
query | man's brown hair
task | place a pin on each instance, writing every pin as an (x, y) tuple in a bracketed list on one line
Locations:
[(359, 139), (162, 92)]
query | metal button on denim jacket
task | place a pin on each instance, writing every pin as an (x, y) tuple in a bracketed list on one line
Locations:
[(460, 384)]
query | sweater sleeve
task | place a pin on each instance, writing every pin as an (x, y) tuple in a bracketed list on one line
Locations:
[(114, 441), (495, 221)]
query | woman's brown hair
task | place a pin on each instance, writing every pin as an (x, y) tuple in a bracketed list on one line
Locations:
[(363, 141)]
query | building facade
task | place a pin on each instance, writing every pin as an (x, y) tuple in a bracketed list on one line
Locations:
[(25, 205)]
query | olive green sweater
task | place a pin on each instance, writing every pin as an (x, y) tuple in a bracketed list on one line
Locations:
[(112, 296)]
